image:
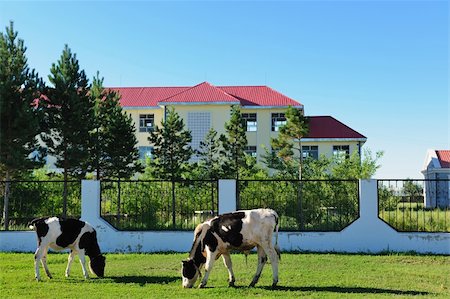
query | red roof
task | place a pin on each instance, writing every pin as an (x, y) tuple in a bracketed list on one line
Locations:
[(329, 127), (145, 96), (444, 158), (203, 93), (259, 96)]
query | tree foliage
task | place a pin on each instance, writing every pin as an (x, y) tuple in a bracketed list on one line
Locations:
[(115, 154), (287, 145), (71, 111), (20, 116), (212, 163), (71, 115), (235, 142), (171, 149)]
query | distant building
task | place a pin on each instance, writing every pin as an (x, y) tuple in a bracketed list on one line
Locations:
[(205, 106), (436, 170)]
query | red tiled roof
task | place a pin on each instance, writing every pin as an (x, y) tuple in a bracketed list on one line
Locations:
[(204, 92), (201, 93), (444, 158), (145, 96), (329, 127), (259, 96)]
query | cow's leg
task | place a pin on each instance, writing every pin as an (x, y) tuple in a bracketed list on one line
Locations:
[(44, 262), (262, 259), (273, 256), (210, 259), (69, 261), (227, 261), (83, 263), (37, 259)]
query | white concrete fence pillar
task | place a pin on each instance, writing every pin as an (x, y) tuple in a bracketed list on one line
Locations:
[(90, 201), (227, 196), (368, 200)]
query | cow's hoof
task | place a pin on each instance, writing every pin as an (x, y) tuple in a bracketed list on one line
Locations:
[(231, 284), (201, 286), (274, 285), (252, 284)]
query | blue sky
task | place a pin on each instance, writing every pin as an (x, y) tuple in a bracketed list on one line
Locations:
[(381, 67)]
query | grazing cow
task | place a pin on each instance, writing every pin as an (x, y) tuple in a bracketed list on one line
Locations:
[(242, 231), (58, 234)]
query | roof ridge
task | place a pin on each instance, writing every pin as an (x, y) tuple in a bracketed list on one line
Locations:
[(135, 87), (202, 83)]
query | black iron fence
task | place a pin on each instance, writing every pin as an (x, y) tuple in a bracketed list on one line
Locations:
[(158, 205), (303, 205), (32, 199), (415, 205)]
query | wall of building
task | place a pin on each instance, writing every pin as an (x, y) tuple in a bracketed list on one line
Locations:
[(368, 234)]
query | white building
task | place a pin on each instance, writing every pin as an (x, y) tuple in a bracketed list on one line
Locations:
[(436, 170)]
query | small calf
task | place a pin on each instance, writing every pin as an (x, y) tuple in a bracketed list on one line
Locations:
[(241, 230), (58, 234)]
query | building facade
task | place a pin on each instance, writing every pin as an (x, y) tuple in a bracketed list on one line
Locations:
[(205, 106)]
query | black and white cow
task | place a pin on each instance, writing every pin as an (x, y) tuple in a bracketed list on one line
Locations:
[(58, 234), (242, 231)]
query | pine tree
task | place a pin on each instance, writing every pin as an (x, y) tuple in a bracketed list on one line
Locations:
[(212, 162), (72, 119), (171, 149), (20, 117), (116, 154), (235, 142), (290, 136)]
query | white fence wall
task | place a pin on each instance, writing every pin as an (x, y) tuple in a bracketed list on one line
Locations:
[(367, 234)]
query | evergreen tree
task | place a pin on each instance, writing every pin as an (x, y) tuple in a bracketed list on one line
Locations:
[(171, 149), (235, 142), (20, 116), (212, 164), (116, 154), (289, 138), (72, 118)]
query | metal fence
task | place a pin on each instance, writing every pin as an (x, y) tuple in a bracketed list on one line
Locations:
[(158, 205), (303, 205), (33, 199), (415, 205)]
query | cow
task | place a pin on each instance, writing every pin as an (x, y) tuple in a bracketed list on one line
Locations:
[(79, 236), (241, 230)]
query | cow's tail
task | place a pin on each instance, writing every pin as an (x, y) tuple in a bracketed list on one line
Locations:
[(277, 226)]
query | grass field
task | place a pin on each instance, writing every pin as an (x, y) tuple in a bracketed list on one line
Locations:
[(301, 275)]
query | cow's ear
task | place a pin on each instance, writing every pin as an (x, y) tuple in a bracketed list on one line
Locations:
[(184, 262)]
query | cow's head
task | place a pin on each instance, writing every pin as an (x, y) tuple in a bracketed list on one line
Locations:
[(97, 265), (190, 273)]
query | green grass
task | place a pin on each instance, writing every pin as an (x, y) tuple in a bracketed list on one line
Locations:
[(406, 218), (301, 275)]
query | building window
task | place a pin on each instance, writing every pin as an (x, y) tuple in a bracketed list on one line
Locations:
[(250, 122), (146, 122), (311, 151), (145, 151), (341, 151), (278, 120), (250, 150)]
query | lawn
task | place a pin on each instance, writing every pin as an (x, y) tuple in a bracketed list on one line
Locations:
[(301, 275)]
